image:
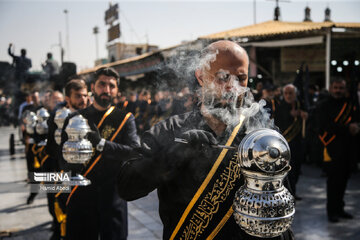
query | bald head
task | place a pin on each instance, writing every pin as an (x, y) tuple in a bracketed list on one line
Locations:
[(223, 77), (289, 92), (225, 64), (226, 47), (222, 50)]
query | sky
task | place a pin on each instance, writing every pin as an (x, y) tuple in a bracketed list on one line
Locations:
[(36, 25)]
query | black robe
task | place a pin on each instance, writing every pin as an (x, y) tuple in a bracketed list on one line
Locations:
[(97, 209), (177, 171)]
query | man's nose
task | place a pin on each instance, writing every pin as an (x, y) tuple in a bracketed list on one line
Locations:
[(107, 88), (230, 83)]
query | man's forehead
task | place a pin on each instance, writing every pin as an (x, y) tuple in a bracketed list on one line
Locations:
[(104, 78), (338, 84), (289, 90), (230, 63), (79, 91)]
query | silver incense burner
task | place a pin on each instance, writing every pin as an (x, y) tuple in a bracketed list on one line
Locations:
[(42, 116), (77, 150), (30, 122), (41, 126), (59, 119), (263, 207)]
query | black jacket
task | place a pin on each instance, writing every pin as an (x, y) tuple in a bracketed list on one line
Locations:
[(98, 204), (177, 171)]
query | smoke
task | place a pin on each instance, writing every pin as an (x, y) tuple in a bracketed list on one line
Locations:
[(231, 105), (180, 64), (221, 103), (256, 116), (180, 68), (218, 100)]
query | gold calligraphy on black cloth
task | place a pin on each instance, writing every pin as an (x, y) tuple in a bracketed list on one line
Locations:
[(210, 208)]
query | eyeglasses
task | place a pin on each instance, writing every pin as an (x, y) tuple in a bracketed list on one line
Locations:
[(224, 77)]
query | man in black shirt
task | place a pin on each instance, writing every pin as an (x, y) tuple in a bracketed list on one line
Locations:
[(96, 210), (76, 98), (31, 140), (22, 65), (196, 182), (338, 123), (289, 118)]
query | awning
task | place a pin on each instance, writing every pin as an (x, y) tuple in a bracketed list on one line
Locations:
[(280, 28), (287, 42)]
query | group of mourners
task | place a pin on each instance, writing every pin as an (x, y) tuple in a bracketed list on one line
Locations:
[(125, 167)]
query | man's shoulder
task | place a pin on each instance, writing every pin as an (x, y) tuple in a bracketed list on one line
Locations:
[(120, 114), (23, 104), (175, 121), (325, 103), (283, 104), (85, 112), (331, 106), (168, 128)]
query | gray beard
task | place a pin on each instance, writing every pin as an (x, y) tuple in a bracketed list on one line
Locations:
[(225, 112)]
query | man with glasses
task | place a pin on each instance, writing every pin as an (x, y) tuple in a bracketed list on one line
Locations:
[(194, 195)]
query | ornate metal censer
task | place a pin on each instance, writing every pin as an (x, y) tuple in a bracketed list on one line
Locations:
[(77, 150), (263, 207), (41, 127), (30, 122), (59, 119)]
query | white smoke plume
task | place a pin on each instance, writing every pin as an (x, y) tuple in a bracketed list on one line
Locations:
[(224, 105)]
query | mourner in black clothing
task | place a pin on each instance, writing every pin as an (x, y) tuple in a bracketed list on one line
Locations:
[(75, 99), (268, 97), (97, 210), (338, 123), (132, 104), (143, 111), (196, 183), (289, 118), (31, 140)]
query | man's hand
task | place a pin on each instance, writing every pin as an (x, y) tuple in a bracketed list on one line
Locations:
[(199, 137), (181, 153), (94, 136), (304, 115), (354, 128), (295, 113)]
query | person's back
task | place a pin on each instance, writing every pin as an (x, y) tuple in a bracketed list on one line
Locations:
[(22, 63), (51, 67)]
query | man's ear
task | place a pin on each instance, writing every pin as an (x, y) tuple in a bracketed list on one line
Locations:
[(67, 99), (92, 87), (199, 76)]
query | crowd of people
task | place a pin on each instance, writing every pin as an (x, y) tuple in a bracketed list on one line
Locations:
[(325, 133), (133, 138)]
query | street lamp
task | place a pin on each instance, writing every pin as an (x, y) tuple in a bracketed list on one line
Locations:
[(67, 33), (96, 31), (61, 49)]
